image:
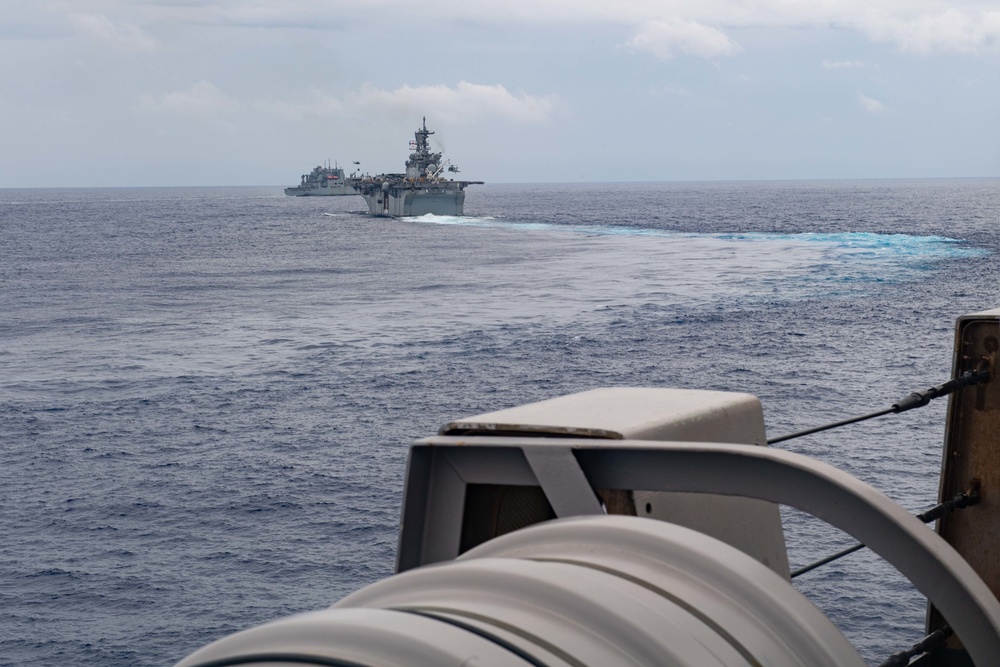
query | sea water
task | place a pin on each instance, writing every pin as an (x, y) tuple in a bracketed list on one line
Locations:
[(207, 394)]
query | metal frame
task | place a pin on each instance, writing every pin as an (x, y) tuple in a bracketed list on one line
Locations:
[(440, 467)]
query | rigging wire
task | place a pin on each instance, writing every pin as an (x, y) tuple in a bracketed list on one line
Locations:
[(961, 501), (917, 399), (925, 645), (971, 497)]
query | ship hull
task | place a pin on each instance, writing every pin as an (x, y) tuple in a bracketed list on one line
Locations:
[(323, 181), (415, 202), (320, 192)]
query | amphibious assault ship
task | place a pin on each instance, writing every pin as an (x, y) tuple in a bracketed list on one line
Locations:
[(421, 190), (322, 181)]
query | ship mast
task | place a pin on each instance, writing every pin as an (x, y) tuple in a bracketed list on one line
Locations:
[(422, 164)]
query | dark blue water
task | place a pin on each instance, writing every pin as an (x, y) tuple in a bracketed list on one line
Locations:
[(206, 395)]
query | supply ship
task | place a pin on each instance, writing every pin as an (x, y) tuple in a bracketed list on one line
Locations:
[(422, 189), (322, 181)]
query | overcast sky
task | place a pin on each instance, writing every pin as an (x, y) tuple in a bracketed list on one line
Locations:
[(256, 92)]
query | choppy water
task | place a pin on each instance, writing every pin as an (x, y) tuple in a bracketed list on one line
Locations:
[(206, 395)]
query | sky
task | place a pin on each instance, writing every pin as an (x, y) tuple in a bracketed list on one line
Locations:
[(104, 93)]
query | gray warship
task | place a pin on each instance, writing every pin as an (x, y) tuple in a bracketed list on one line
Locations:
[(421, 190), (323, 181)]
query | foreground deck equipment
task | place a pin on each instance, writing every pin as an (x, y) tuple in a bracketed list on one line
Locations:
[(526, 539), (971, 464)]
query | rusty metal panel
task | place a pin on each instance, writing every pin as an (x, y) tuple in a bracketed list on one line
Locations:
[(971, 454)]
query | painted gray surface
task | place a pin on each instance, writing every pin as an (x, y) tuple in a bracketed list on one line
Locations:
[(421, 190), (645, 413), (930, 563)]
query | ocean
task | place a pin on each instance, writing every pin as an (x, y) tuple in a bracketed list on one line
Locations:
[(207, 394)]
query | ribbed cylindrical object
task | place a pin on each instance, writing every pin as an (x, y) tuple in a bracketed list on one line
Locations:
[(589, 591)]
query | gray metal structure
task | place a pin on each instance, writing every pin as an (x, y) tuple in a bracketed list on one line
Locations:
[(421, 190), (613, 590), (511, 553), (633, 413), (591, 591), (442, 466), (323, 181)]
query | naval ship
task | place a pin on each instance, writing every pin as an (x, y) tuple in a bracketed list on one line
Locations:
[(421, 190), (322, 181)]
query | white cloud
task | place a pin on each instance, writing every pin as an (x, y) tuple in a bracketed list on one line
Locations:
[(660, 27), (674, 91), (871, 105), (464, 101), (321, 105), (202, 100), (121, 36), (954, 30), (668, 37), (843, 64)]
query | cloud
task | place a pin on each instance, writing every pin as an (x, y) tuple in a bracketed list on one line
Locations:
[(122, 36), (666, 38), (321, 105), (464, 101), (674, 91), (843, 64), (202, 101), (871, 105), (954, 30), (663, 28)]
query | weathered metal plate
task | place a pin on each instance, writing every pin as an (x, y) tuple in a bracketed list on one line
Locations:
[(972, 453)]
